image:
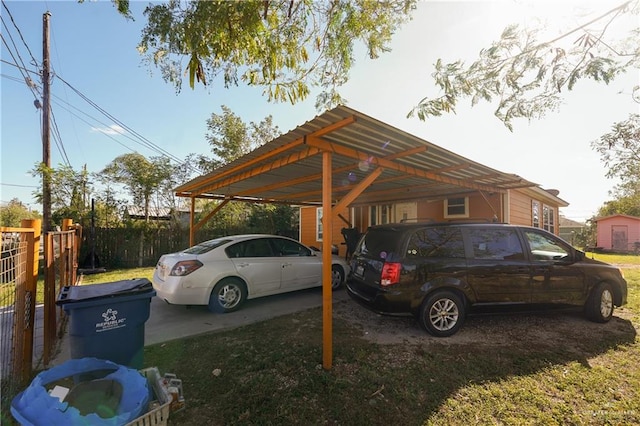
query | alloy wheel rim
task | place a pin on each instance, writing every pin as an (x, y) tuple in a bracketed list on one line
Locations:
[(606, 303), (229, 296), (444, 314)]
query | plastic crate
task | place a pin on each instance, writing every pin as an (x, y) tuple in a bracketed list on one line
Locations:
[(160, 406)]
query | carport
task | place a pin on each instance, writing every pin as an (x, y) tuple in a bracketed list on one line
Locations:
[(339, 159)]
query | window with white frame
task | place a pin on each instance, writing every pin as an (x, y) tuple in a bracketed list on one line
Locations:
[(456, 207), (380, 215), (319, 224), (549, 219), (535, 214)]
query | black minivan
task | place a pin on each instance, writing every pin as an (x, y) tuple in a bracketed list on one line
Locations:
[(440, 272)]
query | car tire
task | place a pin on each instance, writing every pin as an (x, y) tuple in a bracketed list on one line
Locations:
[(599, 306), (337, 277), (442, 313), (227, 296)]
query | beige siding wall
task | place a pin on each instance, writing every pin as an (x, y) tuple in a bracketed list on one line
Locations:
[(520, 208), (308, 229), (480, 208)]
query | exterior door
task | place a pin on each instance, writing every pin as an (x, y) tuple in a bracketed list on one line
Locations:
[(619, 239), (406, 212), (300, 268), (555, 278), (498, 270), (258, 266)]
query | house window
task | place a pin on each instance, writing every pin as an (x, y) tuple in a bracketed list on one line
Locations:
[(319, 224), (380, 215), (549, 219), (535, 214), (456, 207)]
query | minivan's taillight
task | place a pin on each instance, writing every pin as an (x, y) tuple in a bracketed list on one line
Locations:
[(390, 274)]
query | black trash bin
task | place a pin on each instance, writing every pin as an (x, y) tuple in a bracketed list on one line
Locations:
[(106, 321)]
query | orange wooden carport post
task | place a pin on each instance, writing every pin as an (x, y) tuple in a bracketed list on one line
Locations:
[(327, 239)]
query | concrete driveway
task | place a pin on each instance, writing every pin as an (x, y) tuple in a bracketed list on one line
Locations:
[(169, 322)]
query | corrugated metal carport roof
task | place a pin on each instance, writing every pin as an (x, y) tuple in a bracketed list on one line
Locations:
[(289, 168)]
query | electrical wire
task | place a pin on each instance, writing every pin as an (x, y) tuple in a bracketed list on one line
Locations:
[(27, 80), (35, 62), (139, 139)]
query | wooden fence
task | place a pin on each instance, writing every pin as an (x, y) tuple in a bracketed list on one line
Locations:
[(129, 248), (30, 321)]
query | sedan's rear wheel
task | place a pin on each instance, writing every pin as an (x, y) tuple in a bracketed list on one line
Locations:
[(337, 277), (599, 306), (442, 314), (227, 296)]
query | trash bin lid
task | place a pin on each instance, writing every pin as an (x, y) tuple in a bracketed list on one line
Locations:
[(79, 293)]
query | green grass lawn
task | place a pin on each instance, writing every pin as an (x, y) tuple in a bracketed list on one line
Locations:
[(271, 373)]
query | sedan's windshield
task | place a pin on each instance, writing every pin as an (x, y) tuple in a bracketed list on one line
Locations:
[(206, 246)]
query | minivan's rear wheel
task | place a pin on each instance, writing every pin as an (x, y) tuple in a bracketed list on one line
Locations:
[(227, 296), (442, 314), (599, 306)]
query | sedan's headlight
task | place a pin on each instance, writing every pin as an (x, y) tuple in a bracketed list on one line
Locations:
[(185, 267)]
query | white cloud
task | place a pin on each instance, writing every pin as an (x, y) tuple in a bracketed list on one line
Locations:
[(114, 129)]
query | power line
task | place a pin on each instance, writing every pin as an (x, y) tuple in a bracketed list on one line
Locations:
[(35, 62), (27, 80), (141, 139)]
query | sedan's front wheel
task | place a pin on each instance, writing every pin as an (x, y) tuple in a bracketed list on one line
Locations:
[(599, 306), (442, 314), (337, 277), (227, 296)]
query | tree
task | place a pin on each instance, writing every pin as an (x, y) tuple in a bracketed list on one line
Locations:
[(620, 152), (14, 212), (285, 46), (528, 76), (70, 191), (141, 177), (230, 138)]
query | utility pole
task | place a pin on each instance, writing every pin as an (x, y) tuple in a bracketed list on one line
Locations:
[(46, 132)]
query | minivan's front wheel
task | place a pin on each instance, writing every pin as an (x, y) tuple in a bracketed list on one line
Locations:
[(599, 306), (442, 314)]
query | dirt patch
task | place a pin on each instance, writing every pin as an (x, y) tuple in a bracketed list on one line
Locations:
[(542, 329)]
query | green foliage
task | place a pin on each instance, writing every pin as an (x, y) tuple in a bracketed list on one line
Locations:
[(527, 76), (230, 138), (14, 212), (287, 47), (70, 191), (141, 177), (620, 152), (624, 205)]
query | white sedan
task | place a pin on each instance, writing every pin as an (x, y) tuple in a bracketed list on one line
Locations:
[(224, 272)]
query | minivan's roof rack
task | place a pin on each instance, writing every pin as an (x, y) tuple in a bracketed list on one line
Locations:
[(417, 220)]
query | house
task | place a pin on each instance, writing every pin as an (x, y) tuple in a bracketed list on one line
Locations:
[(522, 206), (619, 233), (570, 229), (181, 216)]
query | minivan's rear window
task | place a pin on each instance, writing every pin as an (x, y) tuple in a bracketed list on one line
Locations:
[(378, 243), (436, 242)]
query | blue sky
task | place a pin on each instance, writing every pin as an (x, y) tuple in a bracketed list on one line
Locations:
[(94, 50)]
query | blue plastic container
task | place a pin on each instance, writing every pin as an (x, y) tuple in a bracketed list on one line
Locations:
[(35, 406), (107, 320)]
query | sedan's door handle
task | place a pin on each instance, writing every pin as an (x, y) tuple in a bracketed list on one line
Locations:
[(284, 265)]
